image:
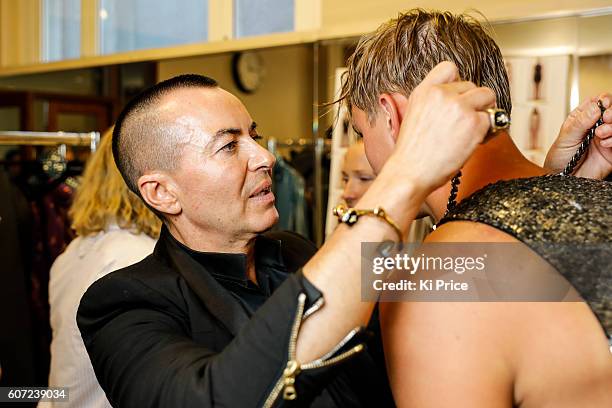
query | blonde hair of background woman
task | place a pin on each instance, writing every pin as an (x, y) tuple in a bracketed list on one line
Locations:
[(103, 198)]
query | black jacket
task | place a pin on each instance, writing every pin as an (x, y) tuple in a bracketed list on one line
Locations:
[(165, 333)]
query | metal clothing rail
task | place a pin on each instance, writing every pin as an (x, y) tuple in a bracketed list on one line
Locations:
[(90, 139), (273, 143)]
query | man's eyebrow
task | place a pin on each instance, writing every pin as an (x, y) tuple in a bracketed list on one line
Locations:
[(227, 131), (234, 131)]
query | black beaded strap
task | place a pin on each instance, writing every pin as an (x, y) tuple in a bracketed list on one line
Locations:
[(452, 197), (584, 146)]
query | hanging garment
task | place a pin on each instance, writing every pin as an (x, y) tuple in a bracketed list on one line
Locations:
[(303, 161), (16, 354), (51, 234), (288, 188)]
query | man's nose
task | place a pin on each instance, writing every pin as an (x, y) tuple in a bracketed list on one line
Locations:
[(260, 158)]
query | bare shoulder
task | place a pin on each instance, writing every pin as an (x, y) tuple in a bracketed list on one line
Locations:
[(498, 353), (446, 353), (562, 356)]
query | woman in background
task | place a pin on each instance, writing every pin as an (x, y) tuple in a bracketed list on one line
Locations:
[(357, 175), (114, 229)]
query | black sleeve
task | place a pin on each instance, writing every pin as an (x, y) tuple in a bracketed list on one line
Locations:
[(143, 356)]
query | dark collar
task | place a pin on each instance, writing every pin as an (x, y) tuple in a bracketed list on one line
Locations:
[(234, 266), (228, 311)]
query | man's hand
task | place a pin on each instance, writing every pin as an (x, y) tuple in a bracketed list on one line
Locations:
[(443, 123), (597, 162), (441, 127)]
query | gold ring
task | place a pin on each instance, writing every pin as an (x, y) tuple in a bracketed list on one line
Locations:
[(499, 120)]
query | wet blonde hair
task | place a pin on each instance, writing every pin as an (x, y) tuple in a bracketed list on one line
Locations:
[(103, 198), (401, 52)]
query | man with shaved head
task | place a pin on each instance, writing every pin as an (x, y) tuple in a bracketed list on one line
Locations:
[(164, 132), (192, 129), (195, 323)]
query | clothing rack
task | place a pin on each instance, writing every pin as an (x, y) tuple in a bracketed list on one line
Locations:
[(89, 139), (320, 145)]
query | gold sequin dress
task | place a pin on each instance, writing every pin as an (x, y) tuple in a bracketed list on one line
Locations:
[(565, 220)]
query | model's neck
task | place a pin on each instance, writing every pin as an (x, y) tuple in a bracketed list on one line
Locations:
[(497, 159), (212, 241)]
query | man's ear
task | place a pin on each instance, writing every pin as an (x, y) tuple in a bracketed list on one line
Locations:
[(159, 191), (393, 106)]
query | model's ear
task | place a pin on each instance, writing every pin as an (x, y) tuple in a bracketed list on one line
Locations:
[(160, 192), (392, 106)]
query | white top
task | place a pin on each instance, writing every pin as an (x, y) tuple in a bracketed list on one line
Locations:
[(85, 260)]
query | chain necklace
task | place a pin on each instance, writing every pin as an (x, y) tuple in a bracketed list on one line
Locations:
[(584, 146), (568, 170)]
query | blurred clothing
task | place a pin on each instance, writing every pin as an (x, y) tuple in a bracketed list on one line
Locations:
[(51, 234), (288, 188), (85, 260), (16, 348)]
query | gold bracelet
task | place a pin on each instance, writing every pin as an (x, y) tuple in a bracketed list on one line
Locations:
[(350, 216)]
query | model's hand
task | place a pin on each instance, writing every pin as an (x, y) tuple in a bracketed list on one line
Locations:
[(597, 162), (443, 124)]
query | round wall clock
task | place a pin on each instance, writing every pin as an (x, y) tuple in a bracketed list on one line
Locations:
[(248, 70)]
